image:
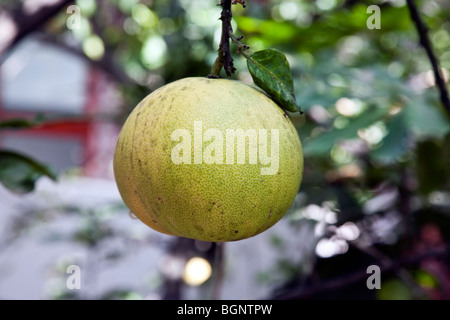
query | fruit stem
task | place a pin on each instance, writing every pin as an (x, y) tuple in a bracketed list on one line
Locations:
[(219, 265), (224, 58), (242, 47)]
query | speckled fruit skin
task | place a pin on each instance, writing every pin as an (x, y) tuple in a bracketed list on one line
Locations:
[(209, 202)]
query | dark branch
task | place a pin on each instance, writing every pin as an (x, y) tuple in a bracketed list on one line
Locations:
[(345, 281), (426, 43), (25, 23), (219, 265), (224, 49), (224, 59)]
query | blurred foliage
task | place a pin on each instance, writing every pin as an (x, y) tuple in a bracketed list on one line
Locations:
[(376, 138), (18, 172)]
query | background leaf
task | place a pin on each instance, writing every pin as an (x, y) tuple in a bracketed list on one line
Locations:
[(19, 173), (20, 123), (270, 71), (323, 143)]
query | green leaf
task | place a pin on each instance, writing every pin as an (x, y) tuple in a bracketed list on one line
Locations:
[(394, 289), (271, 72), (19, 173), (394, 145), (322, 144), (430, 166), (20, 123)]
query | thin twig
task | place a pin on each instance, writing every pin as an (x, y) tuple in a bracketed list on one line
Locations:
[(345, 281), (426, 43), (242, 47), (401, 272), (224, 59), (224, 50), (25, 23), (220, 270)]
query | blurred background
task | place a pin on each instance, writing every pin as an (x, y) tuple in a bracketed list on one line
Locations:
[(376, 188)]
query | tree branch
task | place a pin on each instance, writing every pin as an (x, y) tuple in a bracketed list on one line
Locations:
[(345, 281), (219, 265), (426, 43), (225, 41), (224, 59), (25, 23)]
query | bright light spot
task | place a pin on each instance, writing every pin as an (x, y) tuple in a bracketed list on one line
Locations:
[(380, 202), (172, 267), (318, 113), (144, 16), (429, 77), (397, 3), (441, 39), (384, 228), (439, 198), (245, 76), (425, 80), (395, 109), (203, 245), (152, 296), (314, 212), (289, 10), (348, 107), (351, 170), (389, 40), (127, 5), (193, 32), (340, 155), (204, 17), (87, 7), (84, 30), (132, 296), (373, 134), (93, 47), (217, 36), (153, 53), (326, 4), (396, 69), (336, 80), (340, 122), (319, 229), (8, 29), (166, 26), (130, 26), (32, 6), (327, 248), (349, 48), (197, 271), (348, 231)]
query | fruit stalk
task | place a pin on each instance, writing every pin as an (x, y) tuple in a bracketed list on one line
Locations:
[(224, 58), (224, 47)]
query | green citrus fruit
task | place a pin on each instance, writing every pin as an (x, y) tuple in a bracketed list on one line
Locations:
[(208, 159)]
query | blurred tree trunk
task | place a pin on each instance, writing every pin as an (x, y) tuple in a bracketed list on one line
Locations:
[(22, 19)]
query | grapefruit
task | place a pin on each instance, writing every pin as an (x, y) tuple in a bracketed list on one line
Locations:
[(208, 159)]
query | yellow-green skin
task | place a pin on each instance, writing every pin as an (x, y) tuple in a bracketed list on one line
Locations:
[(209, 202)]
